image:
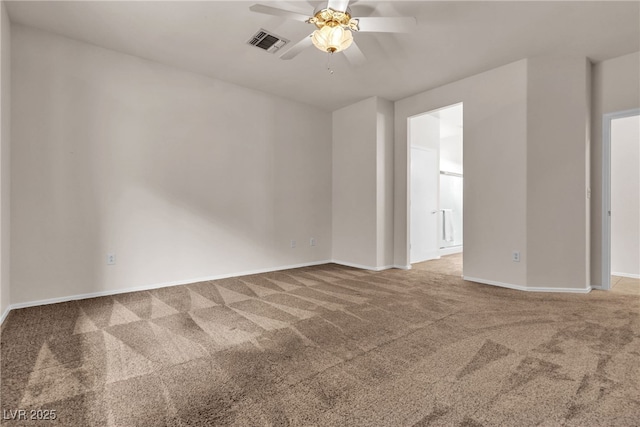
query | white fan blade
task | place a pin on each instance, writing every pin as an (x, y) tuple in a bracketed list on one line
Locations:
[(297, 48), (339, 5), (354, 55), (387, 25), (278, 12)]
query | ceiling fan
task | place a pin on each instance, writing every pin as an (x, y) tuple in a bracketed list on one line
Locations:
[(335, 27)]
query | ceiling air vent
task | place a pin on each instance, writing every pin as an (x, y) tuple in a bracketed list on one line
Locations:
[(267, 41)]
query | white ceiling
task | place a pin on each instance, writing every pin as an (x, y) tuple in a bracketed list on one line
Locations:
[(453, 40)]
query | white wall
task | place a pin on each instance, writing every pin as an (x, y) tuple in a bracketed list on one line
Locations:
[(5, 158), (625, 196), (526, 161), (185, 177), (615, 87), (558, 107), (362, 180), (354, 217), (182, 176), (384, 177), (495, 169)]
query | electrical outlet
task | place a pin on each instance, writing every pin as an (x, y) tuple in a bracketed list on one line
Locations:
[(312, 241), (515, 256), (111, 259), (293, 244)]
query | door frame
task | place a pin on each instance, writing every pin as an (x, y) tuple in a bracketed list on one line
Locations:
[(607, 118), (408, 175)]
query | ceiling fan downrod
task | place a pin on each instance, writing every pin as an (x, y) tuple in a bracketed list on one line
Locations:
[(329, 55)]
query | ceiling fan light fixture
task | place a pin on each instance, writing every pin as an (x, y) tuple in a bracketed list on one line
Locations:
[(332, 38), (335, 27), (327, 16)]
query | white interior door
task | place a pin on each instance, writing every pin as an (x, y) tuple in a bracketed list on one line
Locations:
[(607, 164), (425, 174), (625, 197)]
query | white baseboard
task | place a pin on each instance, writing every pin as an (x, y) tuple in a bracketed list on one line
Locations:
[(629, 275), (5, 314), (367, 267), (153, 286), (527, 288), (450, 251), (360, 266), (494, 283), (433, 257)]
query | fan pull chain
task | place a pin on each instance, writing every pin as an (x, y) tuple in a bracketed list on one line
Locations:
[(330, 54)]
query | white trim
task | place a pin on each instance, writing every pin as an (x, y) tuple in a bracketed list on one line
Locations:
[(407, 194), (362, 267), (437, 109), (153, 286), (606, 190), (630, 276), (527, 288), (435, 256), (402, 267), (451, 250), (494, 283), (5, 314)]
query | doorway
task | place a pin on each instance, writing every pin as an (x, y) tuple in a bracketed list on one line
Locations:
[(621, 199), (435, 140)]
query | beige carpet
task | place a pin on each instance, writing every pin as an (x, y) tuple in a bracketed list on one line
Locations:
[(625, 285), (329, 346)]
